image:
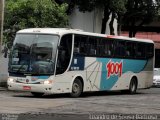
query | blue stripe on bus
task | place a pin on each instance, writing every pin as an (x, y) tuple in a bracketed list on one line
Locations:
[(77, 63), (135, 66)]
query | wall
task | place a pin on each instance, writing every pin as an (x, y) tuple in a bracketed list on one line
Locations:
[(89, 21), (3, 61)]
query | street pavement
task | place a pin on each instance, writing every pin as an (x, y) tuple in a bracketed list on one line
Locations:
[(25, 106)]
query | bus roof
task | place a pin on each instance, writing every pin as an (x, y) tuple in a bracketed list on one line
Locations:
[(62, 31)]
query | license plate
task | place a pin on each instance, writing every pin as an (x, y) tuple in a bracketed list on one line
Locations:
[(26, 88)]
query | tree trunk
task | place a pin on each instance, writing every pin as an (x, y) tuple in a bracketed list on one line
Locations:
[(132, 30), (134, 33), (119, 21), (105, 19), (111, 24), (1, 21)]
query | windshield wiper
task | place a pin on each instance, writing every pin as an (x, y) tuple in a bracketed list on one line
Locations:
[(49, 60), (20, 67)]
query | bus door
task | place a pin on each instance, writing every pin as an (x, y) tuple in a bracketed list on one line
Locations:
[(64, 54)]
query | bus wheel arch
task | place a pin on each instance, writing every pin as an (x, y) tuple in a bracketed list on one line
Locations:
[(77, 87), (81, 79), (37, 94), (133, 85)]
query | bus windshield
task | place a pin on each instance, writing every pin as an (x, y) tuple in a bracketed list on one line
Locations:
[(33, 54)]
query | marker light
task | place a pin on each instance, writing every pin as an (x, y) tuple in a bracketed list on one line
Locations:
[(11, 80)]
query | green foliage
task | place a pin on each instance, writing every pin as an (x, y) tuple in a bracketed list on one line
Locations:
[(20, 14), (139, 12), (113, 5), (118, 6), (85, 5)]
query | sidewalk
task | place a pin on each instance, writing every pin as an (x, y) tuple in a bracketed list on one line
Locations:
[(3, 88), (3, 70)]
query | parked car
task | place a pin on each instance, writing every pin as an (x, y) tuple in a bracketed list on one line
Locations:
[(156, 77)]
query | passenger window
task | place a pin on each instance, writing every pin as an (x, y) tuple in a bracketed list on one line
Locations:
[(80, 45), (83, 45), (105, 47), (150, 50), (108, 49), (120, 49), (92, 46), (140, 50), (130, 51), (77, 45), (100, 47)]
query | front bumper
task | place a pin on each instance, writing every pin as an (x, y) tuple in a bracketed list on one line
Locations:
[(156, 84), (42, 88)]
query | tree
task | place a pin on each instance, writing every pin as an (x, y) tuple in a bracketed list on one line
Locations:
[(20, 14), (131, 13), (139, 12)]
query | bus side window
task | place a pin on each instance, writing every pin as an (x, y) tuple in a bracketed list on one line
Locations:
[(150, 50), (106, 47), (100, 47), (120, 49), (80, 45), (130, 50), (110, 48), (77, 40), (140, 51), (92, 46), (83, 47)]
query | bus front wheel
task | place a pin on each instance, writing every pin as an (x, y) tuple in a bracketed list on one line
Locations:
[(76, 88)]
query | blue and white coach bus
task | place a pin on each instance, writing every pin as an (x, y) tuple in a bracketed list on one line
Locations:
[(54, 60)]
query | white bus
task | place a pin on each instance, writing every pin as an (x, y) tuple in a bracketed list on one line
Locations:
[(54, 60)]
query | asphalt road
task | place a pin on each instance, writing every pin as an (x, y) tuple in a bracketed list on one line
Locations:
[(22, 105)]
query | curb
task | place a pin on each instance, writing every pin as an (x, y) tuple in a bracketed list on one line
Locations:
[(3, 88)]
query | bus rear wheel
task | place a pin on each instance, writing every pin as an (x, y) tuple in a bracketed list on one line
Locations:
[(133, 86), (36, 94), (76, 88)]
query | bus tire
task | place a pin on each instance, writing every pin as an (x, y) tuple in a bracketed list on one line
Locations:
[(76, 88), (133, 86), (36, 94)]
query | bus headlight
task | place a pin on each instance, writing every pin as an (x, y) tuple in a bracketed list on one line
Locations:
[(47, 82), (11, 80)]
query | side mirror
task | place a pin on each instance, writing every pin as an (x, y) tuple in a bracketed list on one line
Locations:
[(60, 48)]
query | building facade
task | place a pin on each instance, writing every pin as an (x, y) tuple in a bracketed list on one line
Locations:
[(89, 21)]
